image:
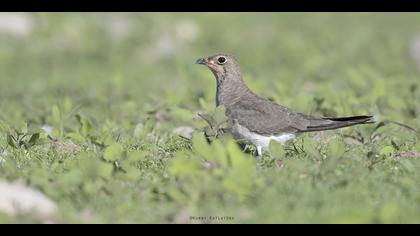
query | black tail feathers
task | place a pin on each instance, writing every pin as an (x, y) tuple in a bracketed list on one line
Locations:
[(338, 122)]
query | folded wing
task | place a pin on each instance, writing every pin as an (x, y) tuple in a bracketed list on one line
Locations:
[(265, 117)]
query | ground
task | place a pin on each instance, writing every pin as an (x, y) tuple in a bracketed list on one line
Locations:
[(99, 115)]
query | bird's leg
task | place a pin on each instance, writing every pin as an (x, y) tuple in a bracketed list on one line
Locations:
[(259, 151), (260, 154)]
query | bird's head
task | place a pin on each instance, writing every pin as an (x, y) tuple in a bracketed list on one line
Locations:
[(222, 65)]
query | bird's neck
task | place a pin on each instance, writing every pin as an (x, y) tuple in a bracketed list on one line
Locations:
[(230, 90)]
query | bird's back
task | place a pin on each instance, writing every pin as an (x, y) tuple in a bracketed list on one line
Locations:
[(265, 117), (261, 116)]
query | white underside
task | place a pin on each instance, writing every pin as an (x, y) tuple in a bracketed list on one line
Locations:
[(263, 142)]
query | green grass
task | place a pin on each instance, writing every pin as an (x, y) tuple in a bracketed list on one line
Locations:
[(114, 97)]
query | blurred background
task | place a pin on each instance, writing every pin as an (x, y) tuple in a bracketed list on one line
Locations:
[(329, 63), (115, 91)]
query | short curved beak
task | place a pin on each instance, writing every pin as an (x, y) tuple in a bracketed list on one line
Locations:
[(201, 61)]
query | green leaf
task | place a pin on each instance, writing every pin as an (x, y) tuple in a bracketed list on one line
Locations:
[(239, 180), (10, 141), (204, 104), (181, 114), (86, 126), (89, 188), (297, 165), (148, 108), (33, 129), (138, 131), (201, 146), (71, 179), (68, 105), (132, 173), (136, 156), (386, 151), (33, 140), (183, 167), (113, 152), (92, 167), (142, 129), (277, 150), (208, 118), (220, 153), (336, 148), (56, 114), (75, 137), (240, 160), (105, 169), (309, 146)]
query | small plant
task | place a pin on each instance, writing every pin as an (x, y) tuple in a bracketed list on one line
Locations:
[(217, 123), (18, 139)]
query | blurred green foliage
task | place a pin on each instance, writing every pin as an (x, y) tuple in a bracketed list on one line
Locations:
[(89, 103)]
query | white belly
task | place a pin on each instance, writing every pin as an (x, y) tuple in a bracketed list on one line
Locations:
[(264, 141), (261, 140)]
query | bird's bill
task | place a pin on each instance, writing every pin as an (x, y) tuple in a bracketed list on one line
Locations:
[(201, 61), (208, 62)]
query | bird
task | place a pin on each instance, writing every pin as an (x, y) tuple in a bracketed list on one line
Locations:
[(257, 120)]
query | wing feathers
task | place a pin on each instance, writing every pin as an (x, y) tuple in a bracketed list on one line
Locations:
[(338, 122)]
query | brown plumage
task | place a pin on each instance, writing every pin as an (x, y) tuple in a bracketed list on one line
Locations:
[(257, 118)]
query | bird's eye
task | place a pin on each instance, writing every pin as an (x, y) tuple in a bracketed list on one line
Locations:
[(221, 60)]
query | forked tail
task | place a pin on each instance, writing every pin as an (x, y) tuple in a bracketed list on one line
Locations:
[(327, 123)]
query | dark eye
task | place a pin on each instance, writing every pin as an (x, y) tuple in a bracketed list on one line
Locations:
[(221, 60)]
